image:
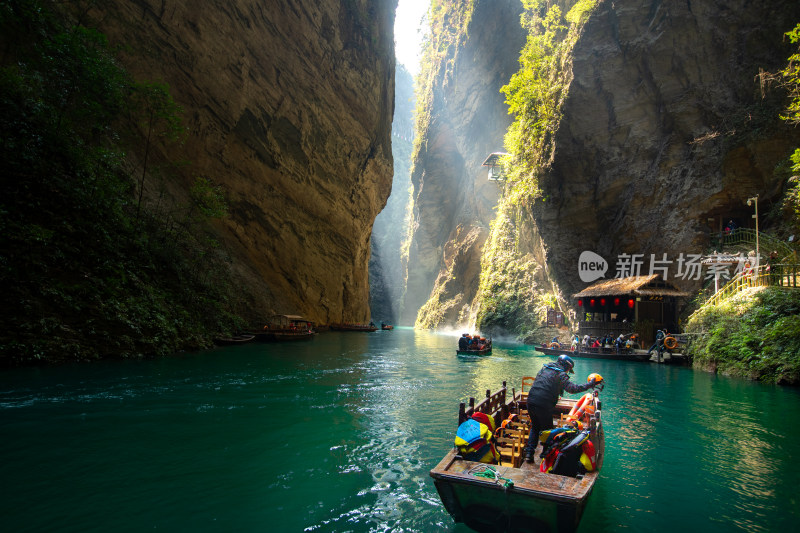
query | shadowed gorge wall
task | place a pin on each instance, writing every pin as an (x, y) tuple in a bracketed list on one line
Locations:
[(386, 279), (665, 126), (289, 106)]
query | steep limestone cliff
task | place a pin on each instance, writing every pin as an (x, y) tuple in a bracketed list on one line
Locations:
[(453, 199), (386, 277), (289, 106), (664, 132)]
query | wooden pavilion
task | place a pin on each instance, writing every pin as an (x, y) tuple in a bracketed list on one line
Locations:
[(618, 305), (496, 170)]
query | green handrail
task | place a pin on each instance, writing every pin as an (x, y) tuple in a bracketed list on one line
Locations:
[(767, 243), (784, 275)]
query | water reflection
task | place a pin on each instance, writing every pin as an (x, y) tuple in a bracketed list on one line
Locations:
[(339, 433)]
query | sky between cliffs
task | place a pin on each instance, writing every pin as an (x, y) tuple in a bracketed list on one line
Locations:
[(408, 32)]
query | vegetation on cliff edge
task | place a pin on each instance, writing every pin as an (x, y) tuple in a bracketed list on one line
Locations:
[(756, 334), (448, 20), (509, 299), (508, 290), (752, 335), (96, 258)]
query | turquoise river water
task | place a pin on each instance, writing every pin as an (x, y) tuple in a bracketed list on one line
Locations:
[(339, 434)]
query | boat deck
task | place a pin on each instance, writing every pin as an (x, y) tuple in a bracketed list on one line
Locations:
[(514, 495), (527, 478)]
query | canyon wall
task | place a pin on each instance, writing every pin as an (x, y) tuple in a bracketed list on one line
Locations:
[(453, 199), (666, 130), (289, 107), (390, 231)]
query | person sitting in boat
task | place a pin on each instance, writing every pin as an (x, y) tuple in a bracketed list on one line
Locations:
[(631, 342), (463, 342), (551, 381), (586, 339), (597, 343), (620, 342), (480, 343)]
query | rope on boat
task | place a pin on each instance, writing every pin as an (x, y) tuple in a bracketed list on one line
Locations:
[(490, 473)]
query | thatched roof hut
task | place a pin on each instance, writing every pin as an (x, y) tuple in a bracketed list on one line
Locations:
[(646, 303), (651, 285)]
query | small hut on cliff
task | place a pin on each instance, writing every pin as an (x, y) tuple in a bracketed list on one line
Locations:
[(621, 305)]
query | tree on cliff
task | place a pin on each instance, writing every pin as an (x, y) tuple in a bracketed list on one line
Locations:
[(790, 79), (82, 280)]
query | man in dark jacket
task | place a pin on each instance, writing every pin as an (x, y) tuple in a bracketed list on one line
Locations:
[(551, 381)]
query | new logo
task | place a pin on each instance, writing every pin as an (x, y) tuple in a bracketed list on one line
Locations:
[(591, 266)]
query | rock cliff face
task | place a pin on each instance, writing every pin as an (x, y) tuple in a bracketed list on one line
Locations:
[(453, 198), (289, 106), (665, 133), (386, 276)]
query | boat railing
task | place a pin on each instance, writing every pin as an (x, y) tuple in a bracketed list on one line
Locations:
[(489, 405)]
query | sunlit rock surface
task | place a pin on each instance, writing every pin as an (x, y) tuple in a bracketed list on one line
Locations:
[(665, 133), (453, 198), (289, 106)]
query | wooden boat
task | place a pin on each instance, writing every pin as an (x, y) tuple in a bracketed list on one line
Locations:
[(596, 353), (286, 328), (354, 327), (293, 335), (386, 326), (237, 339), (516, 496), (485, 351)]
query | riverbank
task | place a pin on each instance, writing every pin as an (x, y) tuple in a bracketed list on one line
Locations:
[(754, 335)]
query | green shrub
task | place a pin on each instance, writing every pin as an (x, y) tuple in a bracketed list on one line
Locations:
[(753, 335)]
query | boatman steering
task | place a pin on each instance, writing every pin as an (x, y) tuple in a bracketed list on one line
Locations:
[(551, 381)]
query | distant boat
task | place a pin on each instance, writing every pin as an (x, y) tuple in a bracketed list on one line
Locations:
[(485, 351), (287, 328), (596, 353), (229, 341), (354, 327), (481, 347), (386, 326)]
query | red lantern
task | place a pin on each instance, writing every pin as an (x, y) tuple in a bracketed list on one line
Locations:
[(591, 302), (580, 303), (631, 303), (603, 302), (616, 302)]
